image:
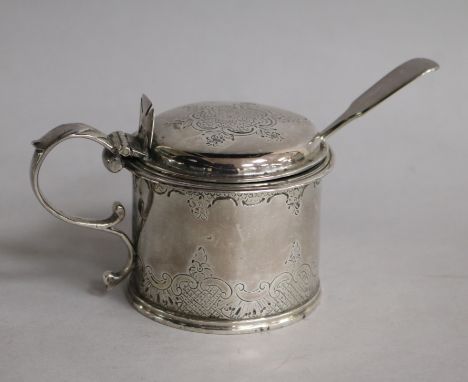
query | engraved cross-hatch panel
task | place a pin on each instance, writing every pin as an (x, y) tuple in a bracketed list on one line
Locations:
[(199, 292)]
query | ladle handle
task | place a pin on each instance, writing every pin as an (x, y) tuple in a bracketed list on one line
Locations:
[(384, 88)]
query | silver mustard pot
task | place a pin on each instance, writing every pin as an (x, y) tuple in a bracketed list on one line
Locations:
[(226, 208)]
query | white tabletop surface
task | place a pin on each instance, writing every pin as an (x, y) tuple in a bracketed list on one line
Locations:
[(394, 249)]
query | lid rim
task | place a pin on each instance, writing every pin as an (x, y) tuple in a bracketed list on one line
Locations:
[(141, 168), (233, 142), (235, 177)]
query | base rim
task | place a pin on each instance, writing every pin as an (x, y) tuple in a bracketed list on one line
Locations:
[(211, 326)]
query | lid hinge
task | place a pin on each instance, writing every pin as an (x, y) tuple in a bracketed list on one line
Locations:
[(126, 145), (123, 146)]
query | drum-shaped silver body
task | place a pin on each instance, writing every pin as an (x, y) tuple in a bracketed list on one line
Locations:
[(232, 261), (226, 207)]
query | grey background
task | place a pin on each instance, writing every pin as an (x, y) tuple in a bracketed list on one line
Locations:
[(395, 216)]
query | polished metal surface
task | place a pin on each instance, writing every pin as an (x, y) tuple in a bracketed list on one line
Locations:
[(244, 255), (214, 326), (226, 208), (233, 143), (43, 146), (140, 168), (381, 90)]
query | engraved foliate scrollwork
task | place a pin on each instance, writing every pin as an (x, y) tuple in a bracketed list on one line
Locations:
[(200, 202), (294, 199), (198, 292), (220, 123)]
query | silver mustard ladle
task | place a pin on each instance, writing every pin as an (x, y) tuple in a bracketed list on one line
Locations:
[(381, 90)]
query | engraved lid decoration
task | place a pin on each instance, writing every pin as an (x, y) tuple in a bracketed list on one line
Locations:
[(229, 142)]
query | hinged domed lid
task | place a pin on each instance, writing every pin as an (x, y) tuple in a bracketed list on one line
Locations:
[(230, 142)]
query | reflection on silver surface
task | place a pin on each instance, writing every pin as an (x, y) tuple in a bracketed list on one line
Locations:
[(226, 208)]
